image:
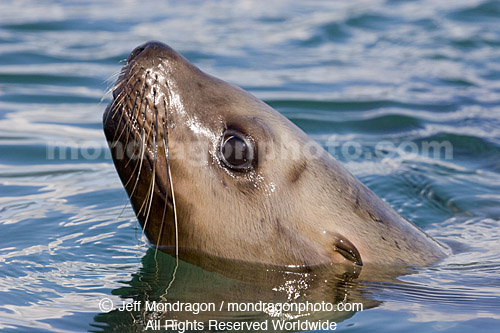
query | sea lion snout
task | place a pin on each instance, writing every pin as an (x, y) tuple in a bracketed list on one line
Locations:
[(152, 47), (138, 50), (145, 58)]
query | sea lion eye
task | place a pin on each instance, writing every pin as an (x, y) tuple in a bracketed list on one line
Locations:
[(236, 151)]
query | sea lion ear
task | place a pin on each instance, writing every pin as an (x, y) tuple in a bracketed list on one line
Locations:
[(347, 249)]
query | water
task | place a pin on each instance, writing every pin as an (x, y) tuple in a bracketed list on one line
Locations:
[(350, 73)]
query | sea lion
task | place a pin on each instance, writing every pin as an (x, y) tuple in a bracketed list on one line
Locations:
[(212, 169)]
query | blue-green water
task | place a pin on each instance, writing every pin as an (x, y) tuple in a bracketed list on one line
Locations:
[(352, 74)]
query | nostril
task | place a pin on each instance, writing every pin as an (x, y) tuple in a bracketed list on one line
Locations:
[(138, 50), (153, 46), (144, 52)]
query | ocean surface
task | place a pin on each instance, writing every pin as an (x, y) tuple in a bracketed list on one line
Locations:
[(405, 93)]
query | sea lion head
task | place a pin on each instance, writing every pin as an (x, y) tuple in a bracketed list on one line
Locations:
[(215, 169)]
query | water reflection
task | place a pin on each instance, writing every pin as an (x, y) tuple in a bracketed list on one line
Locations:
[(222, 282)]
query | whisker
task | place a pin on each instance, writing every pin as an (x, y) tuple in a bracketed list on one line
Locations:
[(111, 81), (124, 114), (175, 224), (125, 83), (147, 135), (125, 92), (155, 154), (166, 102), (137, 165), (118, 105), (160, 235), (153, 185), (131, 124), (146, 199), (176, 229), (143, 144), (123, 208), (163, 217)]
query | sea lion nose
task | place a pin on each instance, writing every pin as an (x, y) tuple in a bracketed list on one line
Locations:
[(151, 45), (148, 50), (138, 50)]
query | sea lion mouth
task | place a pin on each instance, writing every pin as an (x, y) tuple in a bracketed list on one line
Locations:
[(347, 249)]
